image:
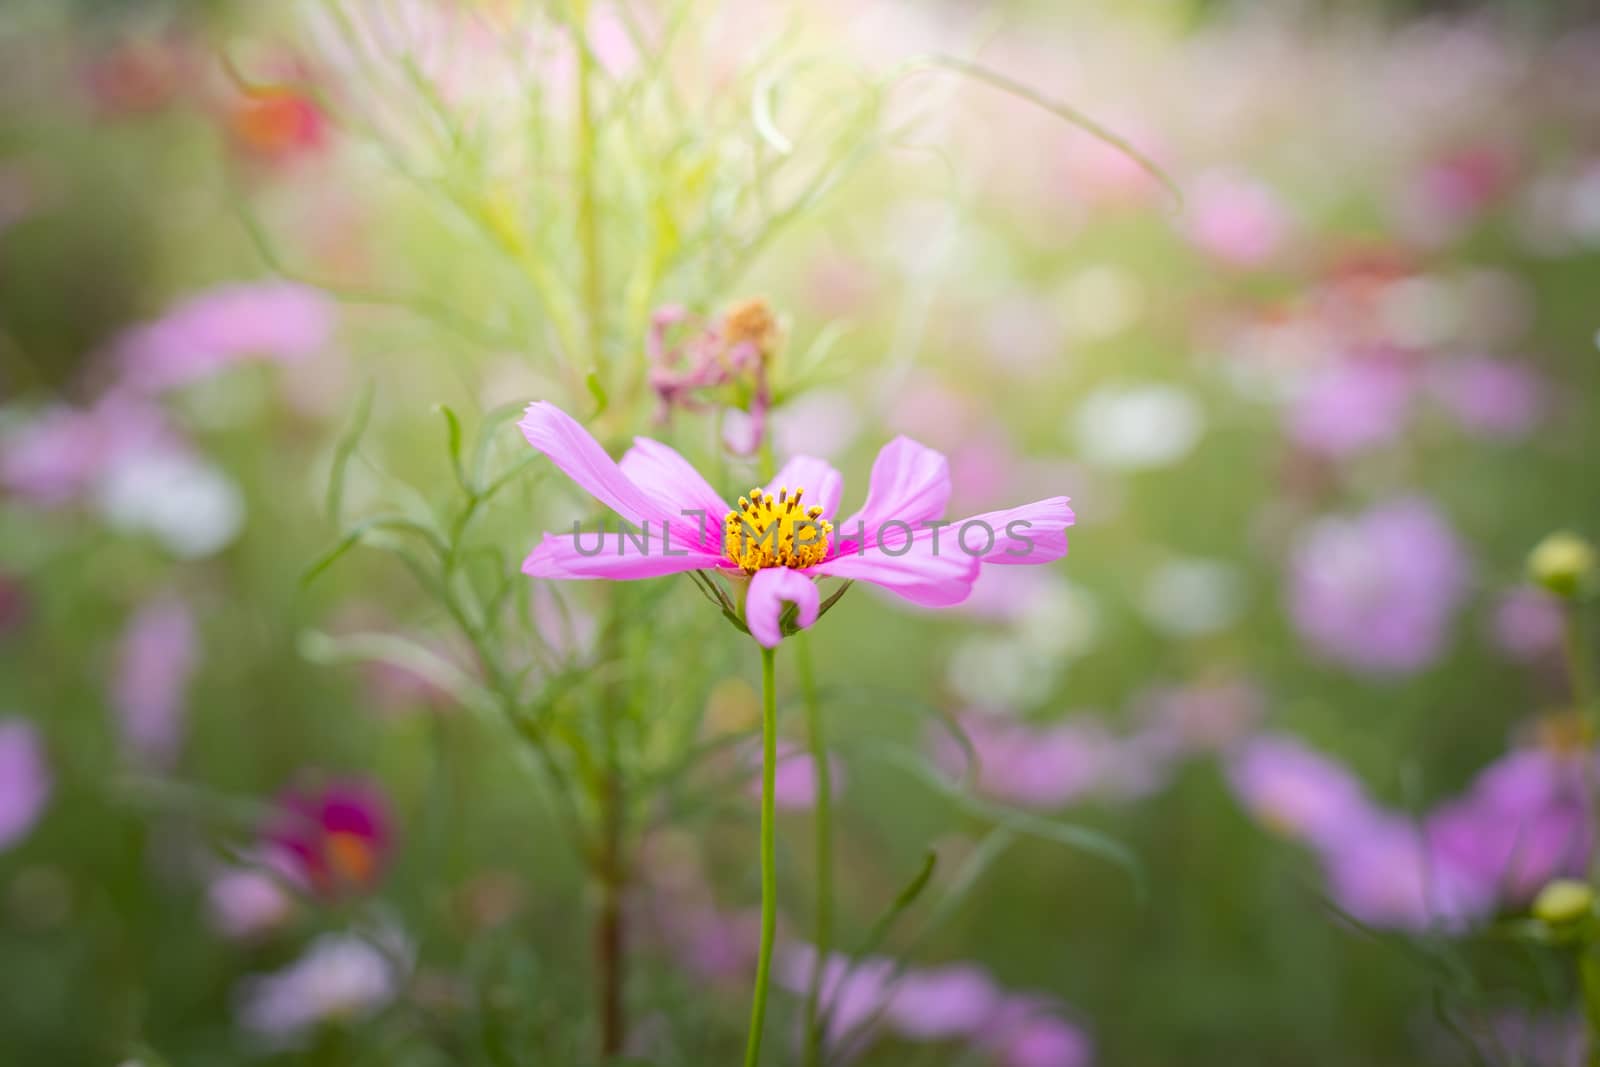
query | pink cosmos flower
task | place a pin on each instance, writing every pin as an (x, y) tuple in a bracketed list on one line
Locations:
[(1528, 624), (336, 839), (1379, 592), (1491, 398), (25, 780), (943, 1002), (156, 659), (220, 327), (1236, 219), (1351, 407), (779, 540), (1298, 792), (63, 453), (795, 784)]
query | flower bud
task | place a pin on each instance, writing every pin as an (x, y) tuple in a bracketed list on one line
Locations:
[(1563, 901), (1563, 563)]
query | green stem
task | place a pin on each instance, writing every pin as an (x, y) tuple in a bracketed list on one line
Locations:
[(1580, 672), (769, 866), (588, 196), (822, 935), (1579, 666)]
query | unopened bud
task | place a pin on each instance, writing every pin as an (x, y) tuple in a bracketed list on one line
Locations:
[(1563, 563), (1564, 900)]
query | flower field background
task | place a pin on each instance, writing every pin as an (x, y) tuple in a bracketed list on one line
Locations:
[(325, 326)]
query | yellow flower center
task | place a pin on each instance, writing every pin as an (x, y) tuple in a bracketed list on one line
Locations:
[(775, 532)]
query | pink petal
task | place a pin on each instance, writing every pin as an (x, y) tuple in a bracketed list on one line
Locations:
[(929, 574), (823, 484), (580, 457), (618, 557), (910, 482), (1038, 536), (763, 604), (676, 487)]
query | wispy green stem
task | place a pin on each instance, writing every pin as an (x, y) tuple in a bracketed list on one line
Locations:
[(588, 195), (822, 932), (769, 862)]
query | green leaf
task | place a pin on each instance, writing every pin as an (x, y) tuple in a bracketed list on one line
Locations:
[(453, 425), (903, 900), (355, 535), (598, 391), (345, 448)]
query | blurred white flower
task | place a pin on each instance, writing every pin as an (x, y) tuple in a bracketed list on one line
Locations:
[(1190, 597), (185, 503), (998, 671), (1138, 426), (1058, 619), (339, 977)]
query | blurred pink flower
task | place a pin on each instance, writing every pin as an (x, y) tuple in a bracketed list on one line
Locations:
[(795, 787), (248, 902), (340, 977), (1203, 716), (223, 326), (1235, 219), (1528, 624), (25, 780), (940, 1003), (1379, 592), (337, 839), (62, 453), (1352, 406), (1050, 766), (853, 991), (1488, 397), (1384, 872), (1027, 1032), (1448, 195), (1523, 822), (156, 658), (1298, 792)]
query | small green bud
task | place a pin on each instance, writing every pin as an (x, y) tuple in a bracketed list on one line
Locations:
[(1562, 563), (1563, 901)]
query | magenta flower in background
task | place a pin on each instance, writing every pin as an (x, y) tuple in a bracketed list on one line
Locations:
[(1490, 398), (943, 1002), (249, 902), (1027, 1031), (337, 839), (784, 544), (221, 327), (25, 780), (63, 453), (1298, 792), (339, 977), (795, 786), (1378, 592), (853, 991), (1353, 406), (1235, 219), (1033, 767), (1385, 872), (1528, 624), (1523, 823), (156, 658)]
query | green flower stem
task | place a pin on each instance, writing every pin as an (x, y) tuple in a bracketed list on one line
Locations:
[(1580, 672), (1580, 668), (588, 193), (769, 866), (822, 934)]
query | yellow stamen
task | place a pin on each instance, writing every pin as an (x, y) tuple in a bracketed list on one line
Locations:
[(767, 532)]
